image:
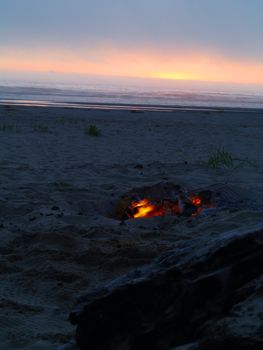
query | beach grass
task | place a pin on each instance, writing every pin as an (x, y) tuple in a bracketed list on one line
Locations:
[(92, 130), (222, 158), (9, 128)]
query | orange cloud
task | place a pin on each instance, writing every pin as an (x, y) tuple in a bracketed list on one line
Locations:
[(142, 64)]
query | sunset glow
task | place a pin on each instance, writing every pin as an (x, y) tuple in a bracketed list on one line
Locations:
[(151, 64)]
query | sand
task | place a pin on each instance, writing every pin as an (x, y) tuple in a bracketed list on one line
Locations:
[(59, 186)]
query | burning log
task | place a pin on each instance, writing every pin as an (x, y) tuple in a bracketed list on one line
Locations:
[(173, 302)]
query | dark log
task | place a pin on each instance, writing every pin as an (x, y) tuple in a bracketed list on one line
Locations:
[(178, 300)]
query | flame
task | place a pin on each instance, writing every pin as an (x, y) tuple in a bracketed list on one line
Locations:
[(144, 209)]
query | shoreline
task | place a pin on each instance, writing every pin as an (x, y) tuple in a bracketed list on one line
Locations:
[(128, 107)]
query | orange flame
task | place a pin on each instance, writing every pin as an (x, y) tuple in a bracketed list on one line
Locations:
[(144, 209)]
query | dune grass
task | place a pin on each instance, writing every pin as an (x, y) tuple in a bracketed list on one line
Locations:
[(92, 130), (222, 158), (9, 128)]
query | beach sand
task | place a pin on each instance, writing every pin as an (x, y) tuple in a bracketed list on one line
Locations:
[(59, 187)]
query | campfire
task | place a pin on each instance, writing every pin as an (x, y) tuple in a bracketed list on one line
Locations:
[(162, 200)]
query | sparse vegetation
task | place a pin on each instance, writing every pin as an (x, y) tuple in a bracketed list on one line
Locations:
[(92, 130), (9, 128), (221, 158), (40, 128)]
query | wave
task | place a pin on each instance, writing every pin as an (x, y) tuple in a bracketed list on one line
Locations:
[(77, 95)]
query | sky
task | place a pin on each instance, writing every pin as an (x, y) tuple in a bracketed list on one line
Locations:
[(195, 40)]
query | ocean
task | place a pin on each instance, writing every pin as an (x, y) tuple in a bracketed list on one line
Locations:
[(81, 95)]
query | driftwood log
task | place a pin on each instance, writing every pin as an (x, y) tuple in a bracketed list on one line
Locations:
[(211, 299)]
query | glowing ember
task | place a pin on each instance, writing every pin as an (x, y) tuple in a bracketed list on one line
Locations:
[(144, 208), (196, 201), (162, 200)]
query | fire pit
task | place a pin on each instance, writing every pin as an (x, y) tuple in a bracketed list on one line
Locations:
[(167, 199), (164, 199)]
